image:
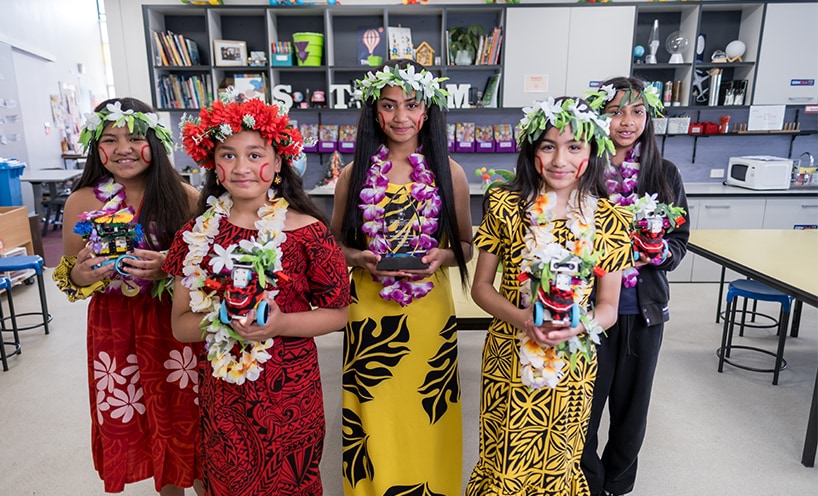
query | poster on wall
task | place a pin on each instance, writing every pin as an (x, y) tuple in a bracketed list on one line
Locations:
[(72, 119)]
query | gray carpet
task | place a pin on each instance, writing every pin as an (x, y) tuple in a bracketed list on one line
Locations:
[(709, 433)]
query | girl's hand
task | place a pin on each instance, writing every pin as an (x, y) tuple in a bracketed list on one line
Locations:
[(147, 266), (369, 260), (643, 260), (248, 329), (548, 334), (89, 268), (436, 258)]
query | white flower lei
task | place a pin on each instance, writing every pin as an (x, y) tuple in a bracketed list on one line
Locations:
[(220, 338), (545, 366)]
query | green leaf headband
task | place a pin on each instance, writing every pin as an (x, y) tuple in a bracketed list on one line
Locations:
[(138, 123), (586, 123), (649, 97), (425, 86)]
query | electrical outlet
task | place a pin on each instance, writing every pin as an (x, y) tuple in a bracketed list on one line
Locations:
[(716, 173)]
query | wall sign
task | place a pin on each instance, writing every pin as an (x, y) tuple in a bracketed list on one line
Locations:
[(802, 82)]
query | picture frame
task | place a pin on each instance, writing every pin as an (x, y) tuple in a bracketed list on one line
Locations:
[(230, 53)]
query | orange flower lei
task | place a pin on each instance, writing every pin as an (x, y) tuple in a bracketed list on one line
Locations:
[(225, 118)]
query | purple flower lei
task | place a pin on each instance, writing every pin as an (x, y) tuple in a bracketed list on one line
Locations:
[(621, 183), (405, 289)]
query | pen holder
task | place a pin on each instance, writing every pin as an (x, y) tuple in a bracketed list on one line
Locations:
[(281, 59)]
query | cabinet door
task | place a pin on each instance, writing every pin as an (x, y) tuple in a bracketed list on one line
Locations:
[(784, 213), (728, 213), (788, 55), (588, 59), (683, 272), (531, 59)]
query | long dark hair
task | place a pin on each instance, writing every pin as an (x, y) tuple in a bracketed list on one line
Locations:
[(291, 189), (435, 146), (527, 180), (165, 205), (653, 178)]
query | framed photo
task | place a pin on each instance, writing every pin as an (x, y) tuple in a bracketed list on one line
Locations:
[(230, 53)]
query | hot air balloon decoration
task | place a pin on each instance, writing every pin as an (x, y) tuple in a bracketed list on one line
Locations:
[(371, 40)]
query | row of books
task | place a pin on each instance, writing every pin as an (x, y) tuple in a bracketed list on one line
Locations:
[(327, 138), (183, 92), (466, 137), (174, 50), (488, 52)]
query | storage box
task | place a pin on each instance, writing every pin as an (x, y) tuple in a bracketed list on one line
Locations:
[(695, 128), (14, 229), (10, 172), (281, 59), (660, 126), (678, 125), (505, 147)]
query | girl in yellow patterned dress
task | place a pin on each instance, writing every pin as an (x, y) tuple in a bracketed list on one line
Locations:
[(402, 202), (538, 380)]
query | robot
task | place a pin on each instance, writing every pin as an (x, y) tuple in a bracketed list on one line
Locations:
[(557, 304), (240, 293), (649, 237)]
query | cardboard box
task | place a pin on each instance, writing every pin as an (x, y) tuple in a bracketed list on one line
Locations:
[(14, 229)]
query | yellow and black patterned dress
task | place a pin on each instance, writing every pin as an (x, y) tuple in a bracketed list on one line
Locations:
[(531, 441), (402, 432)]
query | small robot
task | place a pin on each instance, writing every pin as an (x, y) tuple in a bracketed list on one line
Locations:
[(557, 305), (649, 237), (112, 236), (240, 293)]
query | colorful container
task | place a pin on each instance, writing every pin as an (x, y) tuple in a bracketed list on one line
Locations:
[(309, 48)]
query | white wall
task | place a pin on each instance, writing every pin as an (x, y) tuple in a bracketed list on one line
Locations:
[(49, 38)]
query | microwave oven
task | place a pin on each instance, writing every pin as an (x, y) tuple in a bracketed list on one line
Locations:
[(760, 172)]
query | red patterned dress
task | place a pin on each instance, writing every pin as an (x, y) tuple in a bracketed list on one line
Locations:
[(267, 436), (143, 392)]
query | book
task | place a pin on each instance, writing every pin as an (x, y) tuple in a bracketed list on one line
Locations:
[(464, 132), (400, 43), (347, 132), (328, 132), (490, 93), (193, 50), (159, 56), (503, 132), (371, 46), (251, 86)]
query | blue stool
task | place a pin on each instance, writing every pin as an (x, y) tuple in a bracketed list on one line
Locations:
[(749, 289), (35, 263), (5, 285)]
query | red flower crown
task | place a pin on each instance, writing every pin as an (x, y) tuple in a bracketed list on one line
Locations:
[(223, 119)]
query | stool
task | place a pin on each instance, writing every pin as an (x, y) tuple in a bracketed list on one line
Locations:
[(35, 263), (749, 289), (5, 285)]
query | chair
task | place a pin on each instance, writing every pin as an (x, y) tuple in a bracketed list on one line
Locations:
[(53, 211), (35, 263), (5, 285), (753, 290)]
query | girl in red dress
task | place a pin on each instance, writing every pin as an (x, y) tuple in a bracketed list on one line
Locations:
[(142, 382), (259, 276)]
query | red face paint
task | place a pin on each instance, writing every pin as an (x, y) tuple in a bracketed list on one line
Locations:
[(420, 122), (103, 156), (538, 163), (261, 172), (382, 120), (145, 153), (220, 173), (581, 165)]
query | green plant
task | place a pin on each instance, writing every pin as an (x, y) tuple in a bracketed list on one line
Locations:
[(466, 38)]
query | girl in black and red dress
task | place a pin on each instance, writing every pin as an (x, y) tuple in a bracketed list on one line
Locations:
[(261, 400)]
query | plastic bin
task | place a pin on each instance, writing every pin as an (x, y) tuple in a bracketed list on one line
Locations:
[(10, 172)]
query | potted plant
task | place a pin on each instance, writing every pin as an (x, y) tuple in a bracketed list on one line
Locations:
[(464, 43)]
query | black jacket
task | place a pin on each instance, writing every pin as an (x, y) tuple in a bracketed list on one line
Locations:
[(652, 290)]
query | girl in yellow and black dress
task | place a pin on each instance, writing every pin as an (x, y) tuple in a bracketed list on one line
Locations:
[(537, 380), (401, 400)]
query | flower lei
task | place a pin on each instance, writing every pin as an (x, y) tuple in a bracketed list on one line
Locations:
[(586, 123), (263, 251), (425, 86), (113, 211), (621, 183), (545, 366), (424, 192), (227, 117), (138, 123)]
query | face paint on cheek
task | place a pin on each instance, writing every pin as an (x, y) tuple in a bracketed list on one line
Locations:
[(220, 173), (103, 156), (581, 165), (420, 122), (382, 120), (261, 172), (538, 164), (145, 153)]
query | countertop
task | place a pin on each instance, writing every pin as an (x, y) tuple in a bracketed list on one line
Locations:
[(692, 190)]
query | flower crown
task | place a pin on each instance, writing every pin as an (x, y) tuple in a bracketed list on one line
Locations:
[(138, 123), (425, 86), (227, 116), (649, 97), (586, 123)]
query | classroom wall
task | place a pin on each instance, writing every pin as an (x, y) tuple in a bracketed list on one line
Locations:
[(48, 39)]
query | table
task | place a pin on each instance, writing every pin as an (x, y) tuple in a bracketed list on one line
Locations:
[(52, 178), (782, 259)]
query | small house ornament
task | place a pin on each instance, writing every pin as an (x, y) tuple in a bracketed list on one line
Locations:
[(425, 54)]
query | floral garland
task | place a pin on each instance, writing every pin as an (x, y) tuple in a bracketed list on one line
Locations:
[(425, 86), (586, 123), (138, 123), (621, 183), (263, 251), (113, 211), (545, 367), (227, 117), (425, 193), (649, 97)]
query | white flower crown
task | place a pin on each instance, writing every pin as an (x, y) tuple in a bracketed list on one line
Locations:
[(425, 86)]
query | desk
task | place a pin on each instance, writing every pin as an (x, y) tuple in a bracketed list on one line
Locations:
[(52, 178), (782, 259)]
